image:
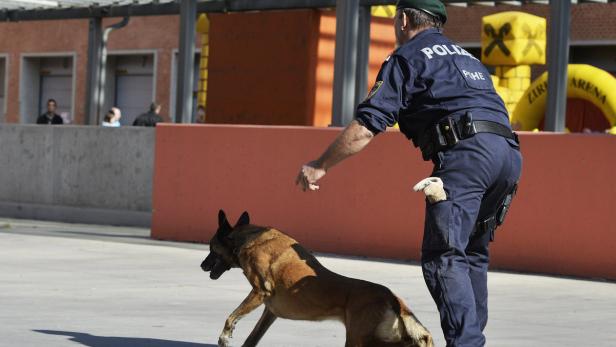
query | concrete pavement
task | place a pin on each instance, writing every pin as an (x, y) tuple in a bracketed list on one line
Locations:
[(83, 285)]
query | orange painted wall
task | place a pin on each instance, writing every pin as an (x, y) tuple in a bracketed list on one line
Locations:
[(558, 224), (259, 74), (382, 43), (261, 67)]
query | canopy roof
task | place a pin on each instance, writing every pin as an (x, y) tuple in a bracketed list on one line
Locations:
[(19, 10)]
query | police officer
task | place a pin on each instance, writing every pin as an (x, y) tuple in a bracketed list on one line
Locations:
[(444, 102)]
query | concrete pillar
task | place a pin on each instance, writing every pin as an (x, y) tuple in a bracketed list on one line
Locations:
[(363, 54), (95, 36), (558, 59), (345, 62), (184, 90)]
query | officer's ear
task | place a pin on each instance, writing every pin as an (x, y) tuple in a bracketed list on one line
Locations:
[(404, 20)]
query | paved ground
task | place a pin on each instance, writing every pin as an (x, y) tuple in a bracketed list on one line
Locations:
[(72, 285)]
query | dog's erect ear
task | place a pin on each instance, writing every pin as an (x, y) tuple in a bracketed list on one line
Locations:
[(223, 223), (222, 217), (244, 219)]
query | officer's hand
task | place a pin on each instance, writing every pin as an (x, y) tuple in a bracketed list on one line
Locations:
[(309, 175)]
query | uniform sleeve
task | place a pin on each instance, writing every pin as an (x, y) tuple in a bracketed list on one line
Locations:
[(381, 107)]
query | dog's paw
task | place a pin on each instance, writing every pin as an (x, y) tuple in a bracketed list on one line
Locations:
[(223, 341)]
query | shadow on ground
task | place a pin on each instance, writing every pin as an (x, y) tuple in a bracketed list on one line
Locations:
[(115, 341)]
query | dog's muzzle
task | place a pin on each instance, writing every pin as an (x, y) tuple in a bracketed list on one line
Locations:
[(215, 265), (208, 262)]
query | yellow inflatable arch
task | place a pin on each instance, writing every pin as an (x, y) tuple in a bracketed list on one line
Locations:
[(584, 82)]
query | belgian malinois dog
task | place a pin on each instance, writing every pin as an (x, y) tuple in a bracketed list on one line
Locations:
[(292, 284)]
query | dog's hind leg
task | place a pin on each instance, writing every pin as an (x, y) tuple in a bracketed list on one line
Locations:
[(266, 320), (252, 301)]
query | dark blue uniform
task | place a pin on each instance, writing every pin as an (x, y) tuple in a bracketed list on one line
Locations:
[(424, 81)]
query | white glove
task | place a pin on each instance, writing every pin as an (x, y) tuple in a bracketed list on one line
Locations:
[(433, 188)]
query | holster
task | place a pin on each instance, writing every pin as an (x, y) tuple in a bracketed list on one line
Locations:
[(441, 136), (491, 223)]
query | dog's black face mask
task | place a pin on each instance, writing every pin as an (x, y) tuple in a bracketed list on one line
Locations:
[(221, 257), (215, 264)]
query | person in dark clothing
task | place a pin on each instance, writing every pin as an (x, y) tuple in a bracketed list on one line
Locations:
[(150, 118), (444, 101), (50, 117)]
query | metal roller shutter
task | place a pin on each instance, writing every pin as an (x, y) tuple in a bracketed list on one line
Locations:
[(59, 88), (134, 81), (133, 96)]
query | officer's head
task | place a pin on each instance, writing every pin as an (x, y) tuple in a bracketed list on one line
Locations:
[(414, 16)]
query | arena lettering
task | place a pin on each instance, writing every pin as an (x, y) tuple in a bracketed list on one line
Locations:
[(443, 50), (589, 88), (537, 92)]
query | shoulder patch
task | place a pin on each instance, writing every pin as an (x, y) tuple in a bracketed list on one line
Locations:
[(374, 89)]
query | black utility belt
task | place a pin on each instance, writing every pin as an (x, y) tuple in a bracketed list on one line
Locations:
[(448, 132)]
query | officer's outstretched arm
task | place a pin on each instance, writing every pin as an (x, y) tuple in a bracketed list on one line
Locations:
[(378, 111), (353, 139)]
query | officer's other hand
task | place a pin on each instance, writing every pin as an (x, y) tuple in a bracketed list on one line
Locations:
[(309, 175)]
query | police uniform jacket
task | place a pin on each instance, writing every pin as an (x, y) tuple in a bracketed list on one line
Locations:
[(423, 81)]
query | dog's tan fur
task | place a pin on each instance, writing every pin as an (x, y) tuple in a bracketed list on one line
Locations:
[(294, 285)]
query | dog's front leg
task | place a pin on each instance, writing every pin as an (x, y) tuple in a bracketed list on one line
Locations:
[(266, 320), (252, 301)]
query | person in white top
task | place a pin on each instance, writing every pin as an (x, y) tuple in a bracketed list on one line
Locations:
[(112, 118)]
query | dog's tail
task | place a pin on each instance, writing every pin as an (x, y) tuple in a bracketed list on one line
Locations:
[(411, 329)]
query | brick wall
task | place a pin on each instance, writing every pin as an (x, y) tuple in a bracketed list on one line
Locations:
[(588, 21), (292, 49), (156, 33)]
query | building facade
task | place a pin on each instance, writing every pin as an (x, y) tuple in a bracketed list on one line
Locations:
[(264, 68)]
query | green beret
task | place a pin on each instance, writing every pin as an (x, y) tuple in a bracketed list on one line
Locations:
[(432, 7)]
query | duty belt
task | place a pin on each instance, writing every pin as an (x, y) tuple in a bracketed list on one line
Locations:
[(448, 132)]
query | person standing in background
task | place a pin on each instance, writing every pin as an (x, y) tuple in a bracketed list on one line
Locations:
[(112, 118), (200, 116), (150, 118), (50, 117)]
